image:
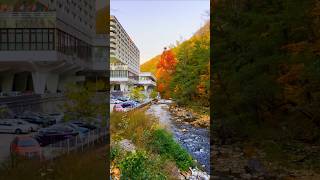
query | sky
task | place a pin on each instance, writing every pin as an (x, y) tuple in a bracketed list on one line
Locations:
[(155, 24)]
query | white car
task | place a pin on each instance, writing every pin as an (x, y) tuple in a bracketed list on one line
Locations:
[(16, 126), (115, 101)]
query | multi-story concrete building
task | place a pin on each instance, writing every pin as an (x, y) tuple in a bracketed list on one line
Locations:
[(124, 58), (48, 44)]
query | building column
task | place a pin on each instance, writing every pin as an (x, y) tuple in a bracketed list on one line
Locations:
[(7, 82), (39, 82), (52, 82), (122, 87)]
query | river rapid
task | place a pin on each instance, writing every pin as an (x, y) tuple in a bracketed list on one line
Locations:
[(195, 140)]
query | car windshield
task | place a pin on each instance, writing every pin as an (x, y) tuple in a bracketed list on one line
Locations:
[(27, 143)]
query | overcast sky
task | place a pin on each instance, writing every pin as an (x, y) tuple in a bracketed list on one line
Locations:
[(154, 24)]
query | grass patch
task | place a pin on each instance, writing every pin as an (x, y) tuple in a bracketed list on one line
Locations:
[(139, 165), (164, 144)]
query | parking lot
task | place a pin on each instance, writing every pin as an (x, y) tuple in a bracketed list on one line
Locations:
[(39, 133), (5, 140), (124, 104)]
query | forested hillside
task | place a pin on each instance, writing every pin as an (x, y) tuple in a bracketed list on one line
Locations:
[(150, 65), (183, 71), (266, 76)]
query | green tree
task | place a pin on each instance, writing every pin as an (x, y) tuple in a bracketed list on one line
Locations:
[(84, 102), (190, 83), (154, 94), (136, 93)]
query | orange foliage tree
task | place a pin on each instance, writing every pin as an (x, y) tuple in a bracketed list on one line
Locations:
[(165, 68)]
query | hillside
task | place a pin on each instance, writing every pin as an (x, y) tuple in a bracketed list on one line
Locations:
[(151, 65)]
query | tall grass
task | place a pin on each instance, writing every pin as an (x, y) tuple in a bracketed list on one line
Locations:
[(135, 126)]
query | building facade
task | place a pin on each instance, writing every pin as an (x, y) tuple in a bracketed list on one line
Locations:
[(48, 44), (124, 58), (148, 81)]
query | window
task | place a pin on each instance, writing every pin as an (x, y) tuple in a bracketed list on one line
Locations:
[(45, 38), (39, 39), (26, 39), (11, 39), (33, 38), (4, 39), (19, 40)]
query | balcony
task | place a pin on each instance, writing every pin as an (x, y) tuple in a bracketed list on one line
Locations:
[(147, 82), (118, 67)]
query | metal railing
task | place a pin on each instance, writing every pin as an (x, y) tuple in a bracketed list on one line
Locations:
[(75, 143)]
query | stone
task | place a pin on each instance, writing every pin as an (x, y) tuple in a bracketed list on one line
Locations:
[(184, 130), (127, 145)]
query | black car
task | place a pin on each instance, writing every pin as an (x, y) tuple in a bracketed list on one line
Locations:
[(41, 121), (82, 124), (54, 134), (123, 99)]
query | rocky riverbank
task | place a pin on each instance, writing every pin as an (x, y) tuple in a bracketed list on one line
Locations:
[(188, 116), (237, 161), (191, 174)]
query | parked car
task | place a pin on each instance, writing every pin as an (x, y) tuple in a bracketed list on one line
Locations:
[(123, 99), (39, 120), (87, 125), (128, 104), (16, 126), (119, 108), (133, 103), (57, 116), (82, 132), (26, 146), (115, 101), (54, 134)]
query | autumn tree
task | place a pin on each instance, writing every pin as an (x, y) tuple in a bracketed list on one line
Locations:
[(165, 68)]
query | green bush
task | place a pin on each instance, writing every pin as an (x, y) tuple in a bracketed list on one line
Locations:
[(164, 144), (115, 152), (138, 166)]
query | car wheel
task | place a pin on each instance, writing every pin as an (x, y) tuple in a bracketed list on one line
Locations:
[(18, 131)]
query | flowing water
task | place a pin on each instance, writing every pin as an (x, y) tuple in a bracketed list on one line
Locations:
[(195, 140)]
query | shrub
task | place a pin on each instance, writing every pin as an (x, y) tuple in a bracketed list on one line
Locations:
[(137, 166), (115, 151), (164, 144)]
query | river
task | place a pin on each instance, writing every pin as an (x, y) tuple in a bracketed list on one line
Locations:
[(195, 140)]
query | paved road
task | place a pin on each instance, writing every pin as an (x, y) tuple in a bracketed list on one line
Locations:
[(5, 140)]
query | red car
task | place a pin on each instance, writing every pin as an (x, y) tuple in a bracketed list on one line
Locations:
[(119, 108), (26, 146)]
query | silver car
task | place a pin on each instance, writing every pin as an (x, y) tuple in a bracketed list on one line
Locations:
[(16, 126)]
